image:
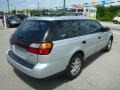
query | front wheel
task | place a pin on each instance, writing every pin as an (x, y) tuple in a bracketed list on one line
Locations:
[(75, 66)]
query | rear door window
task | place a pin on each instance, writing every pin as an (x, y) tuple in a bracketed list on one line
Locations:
[(95, 27), (89, 27), (32, 30)]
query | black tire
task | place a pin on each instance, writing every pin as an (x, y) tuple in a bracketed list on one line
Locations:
[(116, 22), (69, 68), (109, 45), (9, 25)]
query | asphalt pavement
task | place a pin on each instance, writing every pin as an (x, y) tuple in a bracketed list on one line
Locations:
[(101, 72), (111, 25)]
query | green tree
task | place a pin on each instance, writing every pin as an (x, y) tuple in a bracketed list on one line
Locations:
[(107, 13)]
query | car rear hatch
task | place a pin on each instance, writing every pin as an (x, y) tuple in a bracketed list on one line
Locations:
[(30, 33)]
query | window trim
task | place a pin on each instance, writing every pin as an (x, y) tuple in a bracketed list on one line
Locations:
[(52, 28), (99, 24)]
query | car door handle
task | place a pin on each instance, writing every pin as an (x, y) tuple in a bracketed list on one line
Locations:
[(99, 37), (84, 42)]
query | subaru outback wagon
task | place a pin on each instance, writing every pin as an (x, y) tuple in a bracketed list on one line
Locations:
[(44, 46)]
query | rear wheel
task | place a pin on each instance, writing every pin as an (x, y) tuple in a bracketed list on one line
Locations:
[(116, 22), (75, 66), (109, 45), (9, 25)]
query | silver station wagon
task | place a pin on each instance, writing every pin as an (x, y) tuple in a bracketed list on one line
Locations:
[(44, 46)]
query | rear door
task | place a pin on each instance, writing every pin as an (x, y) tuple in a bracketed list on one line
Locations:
[(88, 39), (30, 33), (75, 28), (96, 29)]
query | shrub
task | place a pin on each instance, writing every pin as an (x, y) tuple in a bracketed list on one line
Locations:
[(107, 13), (106, 18)]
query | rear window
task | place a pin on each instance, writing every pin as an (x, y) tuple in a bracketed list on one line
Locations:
[(32, 30), (14, 17)]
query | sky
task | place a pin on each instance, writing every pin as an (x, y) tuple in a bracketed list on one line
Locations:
[(21, 4), (33, 4)]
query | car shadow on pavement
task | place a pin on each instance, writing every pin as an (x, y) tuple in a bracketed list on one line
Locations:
[(49, 83), (92, 58), (53, 82)]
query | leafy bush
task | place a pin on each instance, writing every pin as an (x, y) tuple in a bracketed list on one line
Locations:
[(107, 13), (106, 18)]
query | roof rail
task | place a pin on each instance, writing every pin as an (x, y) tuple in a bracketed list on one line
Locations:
[(59, 14)]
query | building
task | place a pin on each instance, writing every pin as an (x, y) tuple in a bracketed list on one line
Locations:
[(84, 10)]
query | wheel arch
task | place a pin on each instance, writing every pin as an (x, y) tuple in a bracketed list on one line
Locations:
[(67, 72), (80, 52)]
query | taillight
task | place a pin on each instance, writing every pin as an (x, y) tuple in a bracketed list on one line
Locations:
[(44, 48), (33, 50)]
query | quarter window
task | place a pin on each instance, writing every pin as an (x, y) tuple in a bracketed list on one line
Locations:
[(65, 29), (84, 27)]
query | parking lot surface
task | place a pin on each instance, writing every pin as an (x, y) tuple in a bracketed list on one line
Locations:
[(101, 72), (111, 25), (1, 24)]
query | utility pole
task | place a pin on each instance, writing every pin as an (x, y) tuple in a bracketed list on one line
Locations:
[(5, 26), (15, 7), (27, 8), (8, 7), (38, 8), (64, 5)]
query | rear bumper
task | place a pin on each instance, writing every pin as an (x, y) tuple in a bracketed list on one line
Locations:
[(14, 24), (38, 71), (115, 21)]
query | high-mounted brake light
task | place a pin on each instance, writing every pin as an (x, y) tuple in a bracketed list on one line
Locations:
[(44, 48)]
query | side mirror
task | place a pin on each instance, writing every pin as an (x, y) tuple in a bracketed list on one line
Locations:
[(106, 29)]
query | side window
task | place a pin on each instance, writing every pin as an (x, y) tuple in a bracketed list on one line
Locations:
[(89, 26), (74, 29), (95, 26), (84, 27), (65, 29)]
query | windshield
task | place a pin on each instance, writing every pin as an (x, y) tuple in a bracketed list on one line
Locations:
[(31, 30)]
